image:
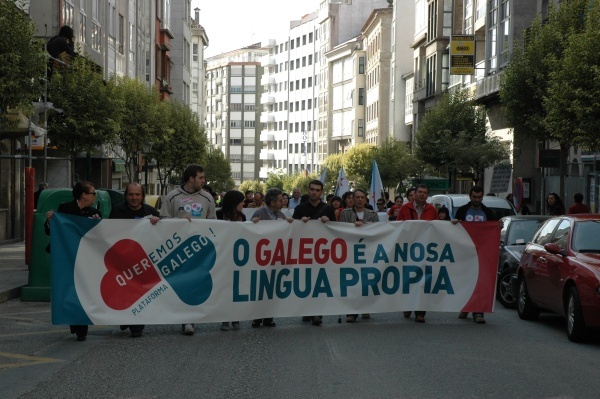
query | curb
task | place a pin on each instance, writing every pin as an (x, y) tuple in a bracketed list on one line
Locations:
[(10, 294)]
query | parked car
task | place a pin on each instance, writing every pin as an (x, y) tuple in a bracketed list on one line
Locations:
[(516, 231), (500, 206), (560, 272)]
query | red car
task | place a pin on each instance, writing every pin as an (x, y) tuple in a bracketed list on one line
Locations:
[(560, 272)]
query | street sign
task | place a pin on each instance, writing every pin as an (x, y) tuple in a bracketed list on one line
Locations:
[(501, 178), (436, 184), (462, 55)]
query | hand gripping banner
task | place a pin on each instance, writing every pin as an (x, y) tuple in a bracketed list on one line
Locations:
[(177, 271)]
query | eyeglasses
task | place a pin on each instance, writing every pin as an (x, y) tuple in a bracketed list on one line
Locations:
[(92, 193)]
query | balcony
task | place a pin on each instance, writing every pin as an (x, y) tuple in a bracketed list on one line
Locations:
[(267, 117), (266, 136), (267, 80), (267, 98), (218, 130), (218, 113), (267, 155), (268, 61), (218, 96)]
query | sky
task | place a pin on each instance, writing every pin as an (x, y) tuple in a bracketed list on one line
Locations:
[(233, 24)]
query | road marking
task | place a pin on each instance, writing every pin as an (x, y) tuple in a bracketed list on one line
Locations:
[(28, 360)]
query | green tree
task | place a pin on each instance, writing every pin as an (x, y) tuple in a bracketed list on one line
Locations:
[(333, 163), (573, 111), (142, 122), (217, 170), (358, 164), (276, 180), (299, 179), (92, 108), (254, 185), (453, 136), (183, 144), (535, 65), (22, 63), (395, 163)]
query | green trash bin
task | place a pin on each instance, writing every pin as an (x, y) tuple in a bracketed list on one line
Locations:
[(38, 287)]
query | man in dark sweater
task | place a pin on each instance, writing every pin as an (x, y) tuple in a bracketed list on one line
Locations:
[(474, 211), (134, 208), (314, 209)]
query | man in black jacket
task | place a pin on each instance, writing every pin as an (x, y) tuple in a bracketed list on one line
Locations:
[(474, 211), (314, 209), (134, 208)]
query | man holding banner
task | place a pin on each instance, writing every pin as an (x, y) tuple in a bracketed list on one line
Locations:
[(474, 211), (418, 209), (314, 209), (359, 215), (189, 201), (134, 208)]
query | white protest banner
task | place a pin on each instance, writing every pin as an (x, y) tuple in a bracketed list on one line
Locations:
[(130, 272)]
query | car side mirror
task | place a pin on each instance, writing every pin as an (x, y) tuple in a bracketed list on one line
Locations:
[(553, 249)]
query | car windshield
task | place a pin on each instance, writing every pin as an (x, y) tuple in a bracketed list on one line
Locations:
[(585, 236), (521, 231)]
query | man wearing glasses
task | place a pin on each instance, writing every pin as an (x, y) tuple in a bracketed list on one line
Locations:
[(84, 196)]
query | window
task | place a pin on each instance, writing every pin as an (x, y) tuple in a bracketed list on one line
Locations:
[(361, 96), (248, 123), (235, 106), (249, 107), (304, 83), (310, 37), (303, 61), (67, 13), (310, 81), (249, 89), (235, 124), (121, 34), (361, 65), (310, 59), (303, 106), (195, 51), (298, 84), (235, 141), (96, 37), (82, 25), (304, 40), (361, 128), (291, 44), (297, 42), (235, 89)]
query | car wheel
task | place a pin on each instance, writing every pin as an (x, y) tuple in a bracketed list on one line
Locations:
[(504, 291), (576, 330), (527, 310)]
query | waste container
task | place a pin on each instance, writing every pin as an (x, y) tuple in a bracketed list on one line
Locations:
[(38, 287)]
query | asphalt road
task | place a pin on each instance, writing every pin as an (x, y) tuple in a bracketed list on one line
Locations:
[(386, 356)]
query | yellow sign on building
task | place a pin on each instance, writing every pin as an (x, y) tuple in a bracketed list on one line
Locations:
[(462, 55)]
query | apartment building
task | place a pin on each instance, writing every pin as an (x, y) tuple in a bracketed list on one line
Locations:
[(377, 37), (181, 50), (339, 21), (401, 71), (199, 43), (232, 119), (347, 63)]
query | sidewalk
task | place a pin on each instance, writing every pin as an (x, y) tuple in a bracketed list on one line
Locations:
[(14, 273)]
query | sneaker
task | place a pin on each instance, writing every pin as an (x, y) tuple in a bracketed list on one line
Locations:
[(463, 315), (479, 319), (406, 314), (317, 320), (235, 325), (306, 318), (224, 326), (188, 329), (350, 319), (366, 316)]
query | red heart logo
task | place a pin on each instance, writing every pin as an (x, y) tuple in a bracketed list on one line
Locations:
[(130, 275)]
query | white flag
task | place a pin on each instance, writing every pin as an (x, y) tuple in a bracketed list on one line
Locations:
[(343, 185), (376, 190)]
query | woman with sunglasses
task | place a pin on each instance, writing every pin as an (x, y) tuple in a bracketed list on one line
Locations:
[(84, 196)]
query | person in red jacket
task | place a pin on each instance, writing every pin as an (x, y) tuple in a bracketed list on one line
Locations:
[(418, 209), (578, 206)]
